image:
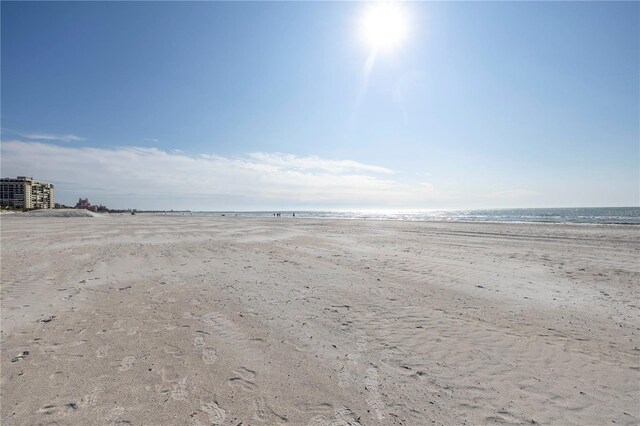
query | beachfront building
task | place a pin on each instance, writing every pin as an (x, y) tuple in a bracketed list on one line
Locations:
[(26, 193), (83, 203)]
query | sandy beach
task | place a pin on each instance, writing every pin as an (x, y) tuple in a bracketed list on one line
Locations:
[(227, 321)]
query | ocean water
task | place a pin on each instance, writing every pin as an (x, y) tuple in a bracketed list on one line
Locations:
[(592, 215)]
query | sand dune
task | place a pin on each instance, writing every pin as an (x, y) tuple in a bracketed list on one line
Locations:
[(192, 320), (61, 213)]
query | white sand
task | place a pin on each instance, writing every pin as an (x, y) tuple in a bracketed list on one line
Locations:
[(61, 213), (191, 320)]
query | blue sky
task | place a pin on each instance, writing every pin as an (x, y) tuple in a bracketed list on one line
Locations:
[(267, 106)]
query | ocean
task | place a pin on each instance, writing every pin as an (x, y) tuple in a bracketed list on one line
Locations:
[(585, 215)]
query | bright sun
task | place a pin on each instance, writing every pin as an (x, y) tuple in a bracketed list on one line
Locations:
[(384, 26)]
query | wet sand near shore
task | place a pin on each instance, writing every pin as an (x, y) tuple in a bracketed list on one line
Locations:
[(209, 321)]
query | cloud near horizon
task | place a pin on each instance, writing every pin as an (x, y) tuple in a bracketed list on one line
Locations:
[(168, 179)]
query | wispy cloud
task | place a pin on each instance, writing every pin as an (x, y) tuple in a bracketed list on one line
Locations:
[(257, 179), (291, 162), (52, 137)]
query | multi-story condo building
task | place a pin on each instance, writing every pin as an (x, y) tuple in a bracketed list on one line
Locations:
[(24, 192)]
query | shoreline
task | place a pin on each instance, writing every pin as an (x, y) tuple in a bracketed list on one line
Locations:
[(244, 215), (581, 215)]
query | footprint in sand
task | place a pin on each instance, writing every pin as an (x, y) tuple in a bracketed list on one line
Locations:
[(209, 355), (265, 413), (345, 377), (127, 363), (179, 392), (374, 401), (176, 351), (195, 420), (102, 351), (346, 374), (198, 342), (91, 399), (343, 416), (116, 412), (244, 379), (215, 413)]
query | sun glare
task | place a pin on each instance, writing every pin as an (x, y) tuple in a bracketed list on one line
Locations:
[(384, 25)]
